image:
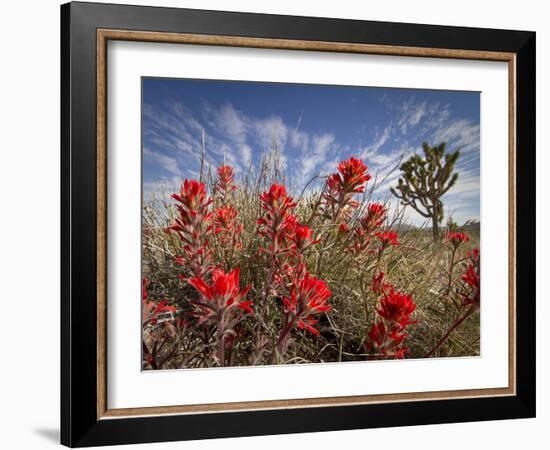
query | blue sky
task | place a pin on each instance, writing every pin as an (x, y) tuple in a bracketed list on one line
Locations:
[(313, 126)]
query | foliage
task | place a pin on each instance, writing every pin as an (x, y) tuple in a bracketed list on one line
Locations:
[(246, 274)]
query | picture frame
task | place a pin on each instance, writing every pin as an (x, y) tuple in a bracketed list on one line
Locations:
[(86, 418)]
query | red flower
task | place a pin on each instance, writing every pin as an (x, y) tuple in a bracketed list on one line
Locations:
[(474, 255), (351, 176), (276, 201), (400, 353), (224, 185), (192, 196), (343, 228), (302, 237), (227, 225), (224, 219), (370, 222), (387, 332), (307, 324), (396, 307), (309, 296), (277, 222), (193, 226), (224, 291), (342, 186), (456, 238), (144, 286), (377, 333), (471, 280), (376, 214), (388, 238), (225, 174), (379, 287)]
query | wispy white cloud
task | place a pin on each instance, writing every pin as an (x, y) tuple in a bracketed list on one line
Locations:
[(412, 114), (230, 123), (315, 156), (271, 131), (371, 151), (167, 162), (461, 133), (246, 153)]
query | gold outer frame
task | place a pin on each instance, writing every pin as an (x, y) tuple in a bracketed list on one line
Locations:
[(104, 35)]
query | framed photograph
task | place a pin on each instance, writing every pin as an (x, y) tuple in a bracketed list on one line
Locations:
[(276, 224)]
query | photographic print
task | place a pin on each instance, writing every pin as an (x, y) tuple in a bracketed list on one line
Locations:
[(300, 223)]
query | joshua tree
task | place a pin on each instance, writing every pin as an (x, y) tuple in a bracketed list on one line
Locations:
[(425, 180)]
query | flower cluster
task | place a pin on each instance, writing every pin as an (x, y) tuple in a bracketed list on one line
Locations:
[(266, 280), (309, 296), (193, 226), (301, 238), (225, 184), (226, 221), (456, 238), (374, 218), (278, 221), (222, 305), (222, 294), (387, 238), (470, 291), (350, 179), (369, 224), (388, 331), (227, 226)]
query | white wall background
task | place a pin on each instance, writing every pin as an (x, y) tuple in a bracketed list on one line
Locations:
[(29, 225)]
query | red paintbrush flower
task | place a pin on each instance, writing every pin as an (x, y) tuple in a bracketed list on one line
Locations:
[(277, 221), (388, 238), (308, 324), (277, 201), (193, 226), (396, 307), (474, 255), (302, 238), (375, 216), (192, 196), (224, 186), (472, 280), (368, 224), (456, 238), (377, 333), (224, 219), (309, 296), (342, 186), (219, 302), (225, 174), (387, 332), (223, 292), (351, 176), (379, 287), (400, 353), (226, 225), (343, 228)]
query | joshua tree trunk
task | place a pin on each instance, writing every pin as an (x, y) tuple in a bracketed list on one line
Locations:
[(435, 226)]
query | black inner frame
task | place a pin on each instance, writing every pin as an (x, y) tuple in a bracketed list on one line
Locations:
[(79, 423)]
